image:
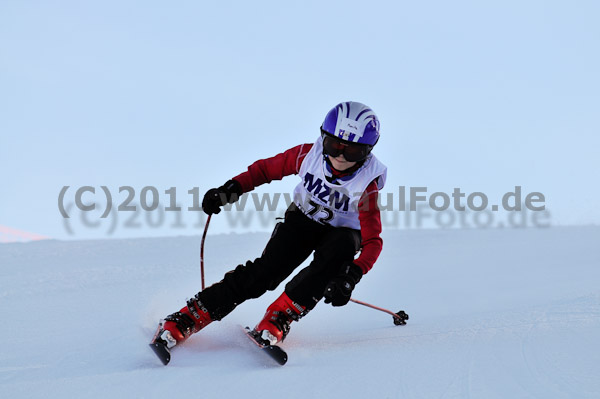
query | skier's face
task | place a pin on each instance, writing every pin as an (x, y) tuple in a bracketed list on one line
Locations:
[(340, 163)]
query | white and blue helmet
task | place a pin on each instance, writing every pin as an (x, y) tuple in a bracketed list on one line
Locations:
[(352, 122)]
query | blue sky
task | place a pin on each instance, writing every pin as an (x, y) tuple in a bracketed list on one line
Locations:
[(478, 95)]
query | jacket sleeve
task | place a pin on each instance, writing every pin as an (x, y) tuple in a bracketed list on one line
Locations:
[(370, 228), (274, 168)]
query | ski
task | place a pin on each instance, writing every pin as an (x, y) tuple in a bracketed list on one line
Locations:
[(273, 351), (162, 351), (159, 346)]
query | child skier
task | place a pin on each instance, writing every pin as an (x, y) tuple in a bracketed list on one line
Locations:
[(334, 215)]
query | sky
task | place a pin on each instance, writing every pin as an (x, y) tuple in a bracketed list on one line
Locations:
[(481, 96)]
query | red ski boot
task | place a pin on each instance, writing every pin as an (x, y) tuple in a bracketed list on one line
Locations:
[(275, 326), (179, 326)]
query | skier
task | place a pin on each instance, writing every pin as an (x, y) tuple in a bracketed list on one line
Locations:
[(334, 215)]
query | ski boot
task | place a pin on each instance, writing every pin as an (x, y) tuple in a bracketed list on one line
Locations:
[(178, 327), (275, 325)]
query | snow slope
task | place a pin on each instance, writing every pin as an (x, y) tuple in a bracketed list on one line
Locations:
[(493, 314)]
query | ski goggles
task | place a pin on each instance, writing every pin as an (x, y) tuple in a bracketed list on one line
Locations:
[(353, 152)]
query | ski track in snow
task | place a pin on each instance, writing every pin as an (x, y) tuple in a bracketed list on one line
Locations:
[(493, 314)]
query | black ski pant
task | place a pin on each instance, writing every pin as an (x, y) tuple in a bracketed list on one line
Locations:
[(291, 243)]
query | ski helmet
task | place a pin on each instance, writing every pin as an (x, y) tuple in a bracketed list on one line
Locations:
[(352, 122)]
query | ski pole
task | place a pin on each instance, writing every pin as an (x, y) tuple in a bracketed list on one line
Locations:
[(399, 318), (202, 250)]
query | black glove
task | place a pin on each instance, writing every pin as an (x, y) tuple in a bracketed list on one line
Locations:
[(340, 288), (214, 198)]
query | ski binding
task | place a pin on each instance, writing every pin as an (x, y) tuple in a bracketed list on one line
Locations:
[(273, 351)]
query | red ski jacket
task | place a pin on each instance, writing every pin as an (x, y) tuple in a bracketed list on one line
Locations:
[(288, 163)]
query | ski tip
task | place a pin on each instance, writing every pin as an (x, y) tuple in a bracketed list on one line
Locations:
[(161, 351), (277, 354)]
